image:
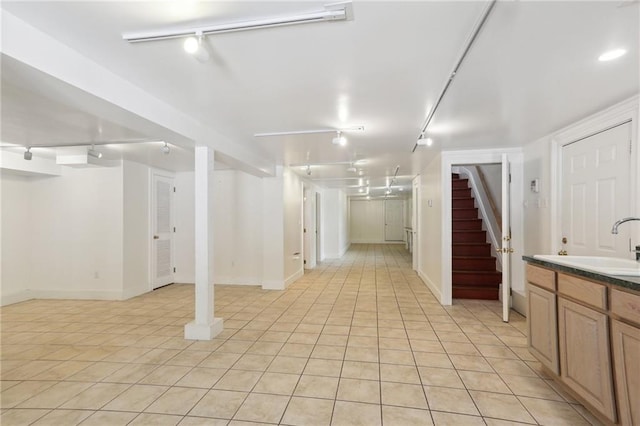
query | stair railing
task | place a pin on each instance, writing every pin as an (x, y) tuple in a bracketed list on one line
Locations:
[(484, 201)]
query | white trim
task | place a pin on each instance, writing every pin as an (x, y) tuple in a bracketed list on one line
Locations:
[(228, 280), (610, 117), (153, 172), (449, 158), (519, 302), (430, 285), (273, 285), (21, 296)]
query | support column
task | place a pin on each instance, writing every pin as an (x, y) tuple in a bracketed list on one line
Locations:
[(205, 326)]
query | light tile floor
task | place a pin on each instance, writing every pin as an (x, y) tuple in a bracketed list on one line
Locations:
[(356, 341)]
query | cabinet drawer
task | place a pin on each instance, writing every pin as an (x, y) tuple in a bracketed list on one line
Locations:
[(625, 305), (591, 293), (541, 277)]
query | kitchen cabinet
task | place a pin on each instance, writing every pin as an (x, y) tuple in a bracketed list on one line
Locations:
[(584, 328), (542, 326), (585, 363)]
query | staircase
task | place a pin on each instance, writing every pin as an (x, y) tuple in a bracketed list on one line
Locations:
[(474, 274)]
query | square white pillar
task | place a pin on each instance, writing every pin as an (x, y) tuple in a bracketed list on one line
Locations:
[(205, 326)]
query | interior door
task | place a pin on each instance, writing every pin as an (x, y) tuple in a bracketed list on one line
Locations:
[(414, 224), (595, 193), (506, 239), (393, 220), (161, 230)]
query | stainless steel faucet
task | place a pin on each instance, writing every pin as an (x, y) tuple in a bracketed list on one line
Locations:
[(614, 230)]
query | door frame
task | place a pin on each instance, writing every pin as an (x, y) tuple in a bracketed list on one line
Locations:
[(415, 221), (318, 228), (153, 172), (454, 158), (309, 227), (604, 120)]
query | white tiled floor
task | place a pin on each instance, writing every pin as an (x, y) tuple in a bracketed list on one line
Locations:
[(357, 341)]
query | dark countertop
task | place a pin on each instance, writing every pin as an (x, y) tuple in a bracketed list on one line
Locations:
[(632, 283)]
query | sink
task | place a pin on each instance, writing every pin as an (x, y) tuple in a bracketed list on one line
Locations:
[(600, 264)]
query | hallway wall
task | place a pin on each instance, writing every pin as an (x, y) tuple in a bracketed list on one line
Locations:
[(430, 226), (366, 221)]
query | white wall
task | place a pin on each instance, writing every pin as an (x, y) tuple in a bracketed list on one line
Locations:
[(292, 216), (367, 221), (184, 258), (493, 178), (136, 235), (537, 220), (272, 232), (76, 239), (539, 163), (15, 232), (238, 220), (430, 226), (335, 223)]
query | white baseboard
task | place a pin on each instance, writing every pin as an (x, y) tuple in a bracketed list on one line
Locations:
[(63, 294), (344, 249), (10, 299), (431, 286), (366, 241), (519, 302), (227, 280), (294, 277), (273, 285)]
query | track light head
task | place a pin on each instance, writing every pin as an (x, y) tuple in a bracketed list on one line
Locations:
[(28, 155), (425, 142), (195, 47), (93, 153), (308, 170), (165, 149), (352, 168), (339, 139)]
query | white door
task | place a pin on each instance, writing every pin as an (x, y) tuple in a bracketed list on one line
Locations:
[(393, 220), (506, 239), (595, 193), (161, 231)]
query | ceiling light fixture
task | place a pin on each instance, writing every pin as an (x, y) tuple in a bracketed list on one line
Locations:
[(195, 47), (352, 168), (165, 149), (333, 12), (611, 55), (28, 155), (93, 153), (308, 170), (425, 142), (339, 139)]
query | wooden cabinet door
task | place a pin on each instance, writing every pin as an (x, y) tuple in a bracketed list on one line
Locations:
[(585, 362), (541, 325), (626, 355)]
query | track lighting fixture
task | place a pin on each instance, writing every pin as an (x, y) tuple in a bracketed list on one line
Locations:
[(331, 12), (93, 153), (339, 139), (165, 149), (308, 170), (352, 168), (28, 155)]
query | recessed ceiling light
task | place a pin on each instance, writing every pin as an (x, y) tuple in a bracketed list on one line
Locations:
[(611, 55)]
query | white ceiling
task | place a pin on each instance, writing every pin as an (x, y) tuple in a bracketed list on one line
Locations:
[(532, 70)]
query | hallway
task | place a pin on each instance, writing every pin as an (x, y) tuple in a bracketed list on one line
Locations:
[(359, 340)]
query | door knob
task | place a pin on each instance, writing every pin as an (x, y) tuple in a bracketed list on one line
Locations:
[(155, 237)]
